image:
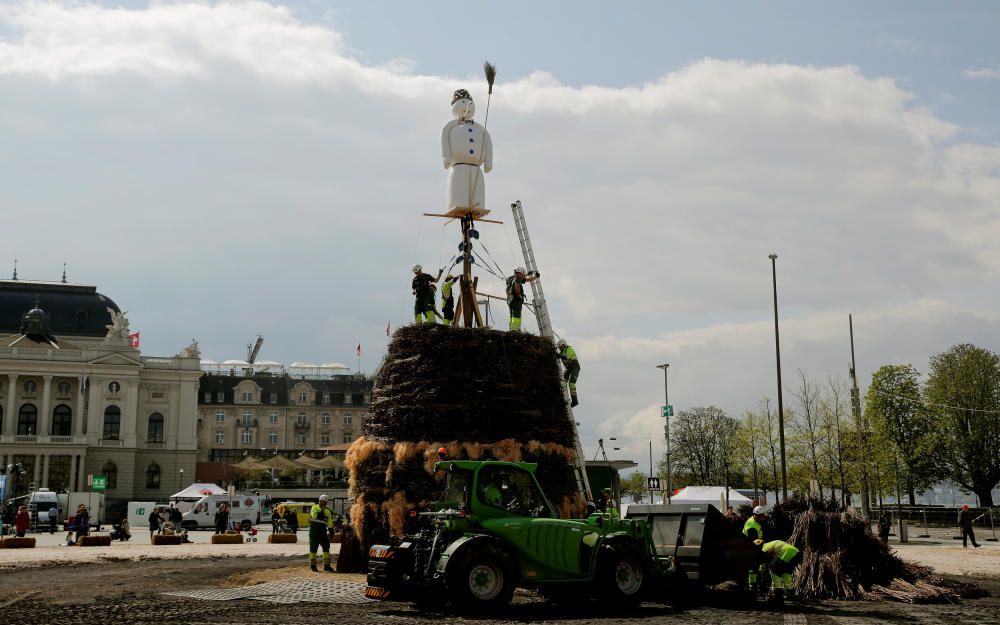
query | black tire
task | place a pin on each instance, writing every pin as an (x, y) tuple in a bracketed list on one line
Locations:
[(481, 579), (622, 574), (245, 525)]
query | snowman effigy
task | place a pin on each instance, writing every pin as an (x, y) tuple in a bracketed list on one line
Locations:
[(465, 148)]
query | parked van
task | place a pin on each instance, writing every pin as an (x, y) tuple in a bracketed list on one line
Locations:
[(301, 510), (244, 511), (40, 502)]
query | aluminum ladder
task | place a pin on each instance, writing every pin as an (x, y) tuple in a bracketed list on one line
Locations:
[(545, 329)]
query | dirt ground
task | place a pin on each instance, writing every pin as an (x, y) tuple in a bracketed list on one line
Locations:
[(129, 592)]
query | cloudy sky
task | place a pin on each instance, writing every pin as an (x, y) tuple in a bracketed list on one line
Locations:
[(234, 168)]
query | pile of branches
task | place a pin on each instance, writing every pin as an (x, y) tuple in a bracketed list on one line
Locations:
[(843, 559), (483, 395)]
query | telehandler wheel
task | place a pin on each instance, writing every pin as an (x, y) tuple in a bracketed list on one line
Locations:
[(621, 574), (481, 579)]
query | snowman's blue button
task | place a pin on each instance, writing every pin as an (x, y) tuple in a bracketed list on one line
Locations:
[(472, 151), (470, 129), (471, 140)]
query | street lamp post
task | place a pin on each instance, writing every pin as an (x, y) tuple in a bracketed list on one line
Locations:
[(649, 486), (777, 358), (666, 428), (182, 480)]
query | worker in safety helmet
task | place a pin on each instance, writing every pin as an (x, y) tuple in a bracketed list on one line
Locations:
[(571, 368), (447, 299), (783, 558), (423, 290), (320, 526), (515, 294), (754, 530)]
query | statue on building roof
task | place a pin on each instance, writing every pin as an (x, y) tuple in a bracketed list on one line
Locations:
[(191, 351), (118, 328)]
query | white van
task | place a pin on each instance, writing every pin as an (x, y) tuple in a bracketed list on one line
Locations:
[(244, 511), (40, 502)]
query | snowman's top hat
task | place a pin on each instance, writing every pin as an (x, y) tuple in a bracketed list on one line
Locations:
[(460, 94)]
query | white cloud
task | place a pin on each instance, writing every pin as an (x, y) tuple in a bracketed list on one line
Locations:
[(982, 73), (227, 169)]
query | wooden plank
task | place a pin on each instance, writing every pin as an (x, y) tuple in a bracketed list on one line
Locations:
[(489, 221), (475, 303)]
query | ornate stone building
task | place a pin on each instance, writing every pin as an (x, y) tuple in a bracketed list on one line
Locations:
[(277, 410), (76, 399)]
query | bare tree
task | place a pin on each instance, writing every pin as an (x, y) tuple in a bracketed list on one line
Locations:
[(807, 432)]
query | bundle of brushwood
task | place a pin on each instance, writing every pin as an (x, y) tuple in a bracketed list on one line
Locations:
[(843, 559), (482, 395)]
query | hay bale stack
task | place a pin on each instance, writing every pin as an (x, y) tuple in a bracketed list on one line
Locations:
[(227, 539), (165, 539), (282, 538), (94, 541), (483, 395), (13, 542)]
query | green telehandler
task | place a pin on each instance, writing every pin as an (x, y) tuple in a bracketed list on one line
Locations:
[(495, 530)]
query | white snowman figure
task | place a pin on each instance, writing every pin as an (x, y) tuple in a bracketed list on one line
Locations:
[(465, 147)]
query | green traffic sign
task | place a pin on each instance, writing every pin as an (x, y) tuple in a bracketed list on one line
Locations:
[(100, 482), (667, 411)]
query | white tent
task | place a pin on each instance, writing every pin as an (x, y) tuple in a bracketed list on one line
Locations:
[(197, 491), (709, 494)]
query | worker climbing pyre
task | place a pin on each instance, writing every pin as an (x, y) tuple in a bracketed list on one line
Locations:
[(423, 291), (448, 299), (515, 294), (571, 369), (754, 530)]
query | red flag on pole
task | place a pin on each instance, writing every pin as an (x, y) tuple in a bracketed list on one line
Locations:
[(387, 328), (359, 350), (133, 340)]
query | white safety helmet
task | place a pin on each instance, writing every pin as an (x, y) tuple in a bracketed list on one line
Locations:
[(759, 510), (417, 269), (561, 344), (518, 269), (324, 498)]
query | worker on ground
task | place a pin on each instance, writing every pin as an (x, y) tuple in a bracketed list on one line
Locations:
[(754, 530), (447, 299), (571, 369), (320, 526), (515, 294), (965, 523), (423, 291), (783, 558)]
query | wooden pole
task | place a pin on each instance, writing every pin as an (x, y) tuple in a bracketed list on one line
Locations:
[(468, 298)]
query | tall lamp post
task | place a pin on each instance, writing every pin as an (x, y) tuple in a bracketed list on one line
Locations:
[(649, 486), (777, 358), (666, 427)]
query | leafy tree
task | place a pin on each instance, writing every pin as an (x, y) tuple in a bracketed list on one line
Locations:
[(963, 394), (703, 442), (635, 485), (895, 407)]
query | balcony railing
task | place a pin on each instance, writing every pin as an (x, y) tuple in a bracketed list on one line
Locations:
[(301, 426), (25, 438), (109, 442), (60, 439)]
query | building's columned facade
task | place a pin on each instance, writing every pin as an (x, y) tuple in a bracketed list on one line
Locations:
[(77, 400)]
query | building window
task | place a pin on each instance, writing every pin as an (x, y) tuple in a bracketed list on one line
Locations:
[(247, 395), (325, 418), (63, 388), (220, 416), (324, 439), (272, 437), (62, 420), (154, 429), (246, 437), (303, 397), (220, 398), (30, 387), (348, 419), (153, 476), (348, 438), (27, 420), (114, 388), (220, 437), (301, 439), (326, 398), (208, 397), (273, 417), (110, 471), (359, 399), (247, 418), (112, 423), (274, 398), (347, 399), (301, 418)]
